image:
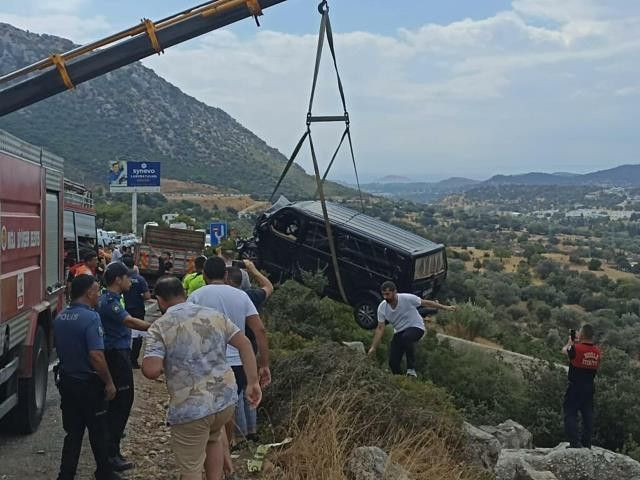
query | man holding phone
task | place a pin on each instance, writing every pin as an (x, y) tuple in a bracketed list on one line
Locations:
[(584, 360)]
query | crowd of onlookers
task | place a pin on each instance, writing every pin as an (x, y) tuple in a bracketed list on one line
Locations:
[(210, 344)]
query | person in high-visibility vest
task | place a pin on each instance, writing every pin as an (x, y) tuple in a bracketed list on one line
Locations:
[(193, 281)]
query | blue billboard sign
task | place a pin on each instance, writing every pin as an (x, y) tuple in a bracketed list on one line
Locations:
[(217, 231), (127, 176)]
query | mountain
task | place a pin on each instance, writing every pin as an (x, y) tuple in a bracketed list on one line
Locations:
[(425, 192), (132, 113), (394, 179), (422, 192), (621, 176)]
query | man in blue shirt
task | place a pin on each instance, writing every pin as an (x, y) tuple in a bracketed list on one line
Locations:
[(134, 300), (117, 323), (85, 382)]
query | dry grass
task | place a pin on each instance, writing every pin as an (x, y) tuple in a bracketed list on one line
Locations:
[(325, 436)]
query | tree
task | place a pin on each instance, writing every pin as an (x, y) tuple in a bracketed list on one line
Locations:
[(544, 268), (493, 265), (477, 264), (594, 264), (574, 257), (622, 263), (501, 252)]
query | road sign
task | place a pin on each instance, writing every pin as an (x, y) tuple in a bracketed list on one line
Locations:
[(126, 176), (217, 231)]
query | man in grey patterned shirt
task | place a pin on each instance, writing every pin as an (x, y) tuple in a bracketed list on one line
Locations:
[(188, 344)]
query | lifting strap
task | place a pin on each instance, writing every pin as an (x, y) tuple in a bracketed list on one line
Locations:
[(58, 61), (325, 31), (150, 27)]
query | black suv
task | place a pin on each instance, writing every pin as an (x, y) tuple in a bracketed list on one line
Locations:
[(291, 238)]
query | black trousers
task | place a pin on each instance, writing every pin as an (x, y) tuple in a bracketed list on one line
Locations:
[(84, 405), (404, 343), (119, 362), (136, 346), (579, 398)]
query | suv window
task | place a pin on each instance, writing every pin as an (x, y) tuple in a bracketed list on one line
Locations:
[(429, 265), (287, 225)]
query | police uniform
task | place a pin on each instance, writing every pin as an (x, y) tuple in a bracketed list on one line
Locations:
[(584, 358), (117, 346), (77, 331), (134, 304)]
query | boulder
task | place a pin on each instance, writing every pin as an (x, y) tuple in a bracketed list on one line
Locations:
[(566, 464), (372, 463), (482, 449), (510, 434)]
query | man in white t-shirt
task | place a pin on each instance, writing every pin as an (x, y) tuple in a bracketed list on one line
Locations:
[(236, 305), (401, 311)]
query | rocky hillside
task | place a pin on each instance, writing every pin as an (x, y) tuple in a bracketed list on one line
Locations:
[(132, 113)]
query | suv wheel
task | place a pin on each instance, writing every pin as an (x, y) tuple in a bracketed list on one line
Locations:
[(366, 313)]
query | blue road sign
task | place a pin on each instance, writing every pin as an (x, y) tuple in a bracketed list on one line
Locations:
[(217, 230)]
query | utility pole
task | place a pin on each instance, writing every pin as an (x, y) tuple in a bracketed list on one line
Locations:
[(134, 212)]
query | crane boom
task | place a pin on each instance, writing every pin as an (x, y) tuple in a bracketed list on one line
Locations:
[(84, 63)]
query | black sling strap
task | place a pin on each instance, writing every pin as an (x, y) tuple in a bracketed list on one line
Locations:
[(325, 31)]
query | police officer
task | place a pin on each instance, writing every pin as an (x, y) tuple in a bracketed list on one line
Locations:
[(117, 323), (134, 300), (584, 360), (85, 382)]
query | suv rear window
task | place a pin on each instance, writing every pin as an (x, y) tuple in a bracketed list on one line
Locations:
[(429, 265)]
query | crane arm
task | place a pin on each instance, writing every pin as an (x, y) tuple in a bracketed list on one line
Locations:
[(65, 71)]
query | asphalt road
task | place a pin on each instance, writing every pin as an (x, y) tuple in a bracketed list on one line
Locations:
[(37, 456)]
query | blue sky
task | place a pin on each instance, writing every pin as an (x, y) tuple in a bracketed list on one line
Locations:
[(435, 89)]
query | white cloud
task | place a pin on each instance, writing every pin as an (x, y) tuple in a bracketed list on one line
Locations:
[(76, 28), (545, 85)]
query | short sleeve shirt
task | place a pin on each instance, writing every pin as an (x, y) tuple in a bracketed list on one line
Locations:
[(117, 336), (192, 342), (77, 331), (405, 315), (233, 303), (134, 298), (193, 282)]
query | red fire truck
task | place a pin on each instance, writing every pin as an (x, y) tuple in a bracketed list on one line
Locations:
[(32, 253)]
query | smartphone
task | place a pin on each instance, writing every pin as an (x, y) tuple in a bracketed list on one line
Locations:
[(572, 333), (238, 264)]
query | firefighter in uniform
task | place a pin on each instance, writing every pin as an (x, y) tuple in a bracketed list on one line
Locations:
[(117, 324), (584, 360), (85, 383)]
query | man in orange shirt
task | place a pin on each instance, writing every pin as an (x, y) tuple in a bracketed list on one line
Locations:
[(88, 265)]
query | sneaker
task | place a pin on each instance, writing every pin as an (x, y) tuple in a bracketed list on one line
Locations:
[(411, 373)]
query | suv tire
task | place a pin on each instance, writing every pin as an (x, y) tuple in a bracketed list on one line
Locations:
[(366, 312)]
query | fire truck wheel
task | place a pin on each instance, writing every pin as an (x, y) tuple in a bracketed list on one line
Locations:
[(32, 392)]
